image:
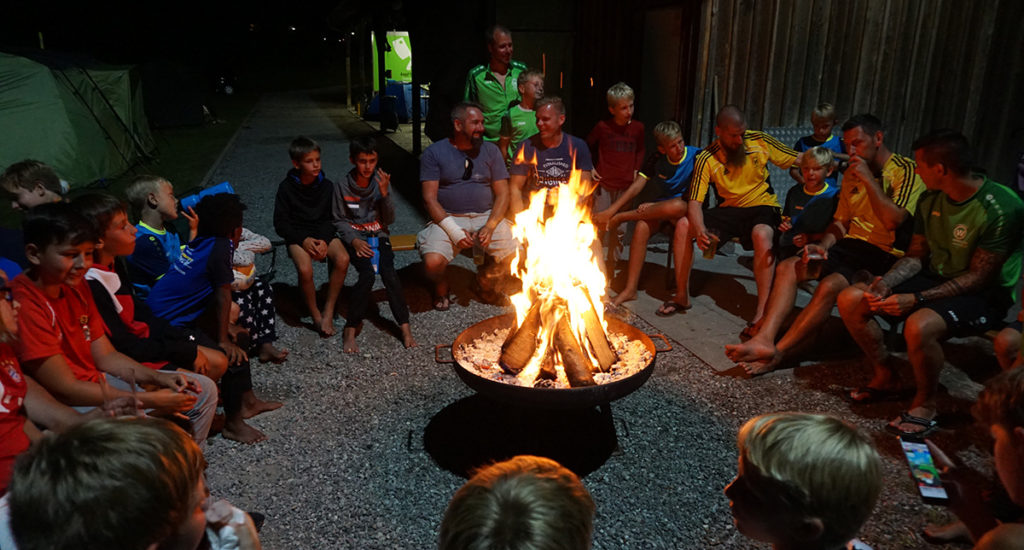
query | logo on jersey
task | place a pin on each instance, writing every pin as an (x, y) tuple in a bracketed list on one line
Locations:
[(960, 235)]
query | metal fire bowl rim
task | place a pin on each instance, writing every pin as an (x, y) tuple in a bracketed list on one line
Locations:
[(563, 398)]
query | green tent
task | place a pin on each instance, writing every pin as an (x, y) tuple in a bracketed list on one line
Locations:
[(88, 122)]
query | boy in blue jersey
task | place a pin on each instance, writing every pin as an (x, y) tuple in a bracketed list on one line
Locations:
[(156, 246), (809, 207), (670, 170), (823, 119)]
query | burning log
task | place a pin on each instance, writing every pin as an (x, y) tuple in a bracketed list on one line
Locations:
[(598, 339), (575, 363), (547, 366), (521, 344)]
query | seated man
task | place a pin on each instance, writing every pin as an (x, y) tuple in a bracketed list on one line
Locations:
[(869, 231), (465, 191), (1000, 409), (777, 498), (125, 483), (62, 342), (737, 165), (524, 502), (957, 278)]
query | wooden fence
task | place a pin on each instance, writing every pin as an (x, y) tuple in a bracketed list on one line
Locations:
[(916, 64)]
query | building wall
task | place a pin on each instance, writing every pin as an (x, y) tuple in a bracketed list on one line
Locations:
[(917, 64)]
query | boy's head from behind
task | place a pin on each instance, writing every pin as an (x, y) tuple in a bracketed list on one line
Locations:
[(823, 119), (620, 102), (816, 166), (527, 503), (29, 183), (305, 155), (58, 243), (148, 193), (669, 137), (145, 473), (804, 480), (362, 152), (1000, 408), (115, 235), (220, 215), (531, 86)]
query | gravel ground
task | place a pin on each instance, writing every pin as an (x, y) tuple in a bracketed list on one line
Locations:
[(370, 447)]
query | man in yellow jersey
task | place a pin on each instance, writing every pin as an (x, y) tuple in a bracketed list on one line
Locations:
[(737, 165), (495, 85), (868, 232)]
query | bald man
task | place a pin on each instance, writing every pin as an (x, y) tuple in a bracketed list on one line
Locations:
[(736, 164)]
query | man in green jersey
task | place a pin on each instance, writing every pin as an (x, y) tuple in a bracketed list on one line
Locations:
[(495, 85), (957, 277)]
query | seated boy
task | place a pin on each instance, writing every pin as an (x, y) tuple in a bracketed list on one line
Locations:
[(810, 206), (805, 481), (61, 334), (196, 293), (362, 210), (302, 217), (823, 120), (1000, 410), (26, 184), (157, 246), (670, 169), (524, 502), (131, 326), (119, 483)]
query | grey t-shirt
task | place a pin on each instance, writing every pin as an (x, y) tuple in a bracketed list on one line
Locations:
[(443, 162), (553, 166)]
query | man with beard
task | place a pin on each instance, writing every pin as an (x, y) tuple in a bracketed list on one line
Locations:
[(737, 165), (465, 192), (869, 231), (495, 85)]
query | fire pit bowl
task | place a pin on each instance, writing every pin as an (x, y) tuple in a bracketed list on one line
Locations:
[(551, 398)]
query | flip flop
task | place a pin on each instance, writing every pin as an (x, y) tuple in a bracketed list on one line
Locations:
[(929, 426), (442, 303), (670, 308), (864, 395)]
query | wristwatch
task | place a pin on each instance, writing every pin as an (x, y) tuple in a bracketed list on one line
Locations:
[(918, 298)]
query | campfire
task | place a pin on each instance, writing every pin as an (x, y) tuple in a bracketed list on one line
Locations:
[(560, 337)]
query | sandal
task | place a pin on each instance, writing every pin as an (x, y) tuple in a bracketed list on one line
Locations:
[(670, 308), (442, 303), (928, 425), (864, 395)]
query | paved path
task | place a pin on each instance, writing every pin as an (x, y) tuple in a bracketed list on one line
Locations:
[(369, 447)]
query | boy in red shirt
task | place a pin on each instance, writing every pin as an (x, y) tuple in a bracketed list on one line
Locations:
[(62, 337)]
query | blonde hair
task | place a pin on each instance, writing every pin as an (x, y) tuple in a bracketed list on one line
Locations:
[(139, 189), (144, 471), (831, 469), (667, 130), (618, 91), (821, 155), (825, 110), (526, 503)]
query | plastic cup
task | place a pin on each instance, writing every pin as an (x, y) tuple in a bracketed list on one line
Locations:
[(709, 252), (478, 252), (815, 262)]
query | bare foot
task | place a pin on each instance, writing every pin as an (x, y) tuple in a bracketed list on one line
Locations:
[(238, 430), (252, 405), (349, 340), (407, 340), (624, 296), (754, 349), (268, 353), (326, 326), (755, 368), (951, 532)]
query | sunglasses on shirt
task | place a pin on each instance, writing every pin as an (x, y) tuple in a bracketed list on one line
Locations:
[(469, 169)]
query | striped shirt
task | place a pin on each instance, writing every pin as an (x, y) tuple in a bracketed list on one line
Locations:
[(744, 186)]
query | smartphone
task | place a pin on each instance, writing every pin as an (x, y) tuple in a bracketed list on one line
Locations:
[(924, 472)]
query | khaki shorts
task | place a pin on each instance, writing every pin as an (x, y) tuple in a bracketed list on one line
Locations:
[(433, 240)]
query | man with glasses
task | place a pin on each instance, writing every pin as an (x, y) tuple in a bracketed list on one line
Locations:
[(465, 191)]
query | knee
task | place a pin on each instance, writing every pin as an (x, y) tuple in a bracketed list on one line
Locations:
[(643, 228), (762, 236), (305, 270), (786, 267), (1007, 343), (340, 259), (218, 364), (849, 301), (922, 328), (682, 227)]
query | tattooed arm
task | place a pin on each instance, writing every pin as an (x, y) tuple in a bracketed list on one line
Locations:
[(909, 265), (984, 266)]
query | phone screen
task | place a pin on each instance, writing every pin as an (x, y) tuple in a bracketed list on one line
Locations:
[(923, 470)]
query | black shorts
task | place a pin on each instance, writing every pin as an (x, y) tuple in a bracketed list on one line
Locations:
[(848, 256), (733, 222), (965, 315)]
